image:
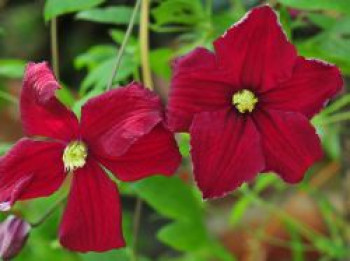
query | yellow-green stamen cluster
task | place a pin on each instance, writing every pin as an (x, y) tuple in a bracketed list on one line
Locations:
[(74, 156), (244, 101)]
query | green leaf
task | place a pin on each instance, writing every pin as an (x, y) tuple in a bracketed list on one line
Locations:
[(183, 236), (160, 62), (109, 15), (11, 68), (239, 209), (181, 12), (4, 147), (118, 37), (65, 96), (321, 20), (94, 56), (100, 60), (55, 8), (342, 6), (98, 76), (120, 254), (171, 197)]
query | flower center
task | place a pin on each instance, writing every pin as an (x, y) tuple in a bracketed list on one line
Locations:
[(74, 155), (244, 101)]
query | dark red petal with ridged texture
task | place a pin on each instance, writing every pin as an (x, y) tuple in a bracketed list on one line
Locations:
[(312, 84), (256, 51), (226, 151), (92, 219), (41, 113), (113, 121), (197, 85), (30, 169), (290, 143), (156, 153)]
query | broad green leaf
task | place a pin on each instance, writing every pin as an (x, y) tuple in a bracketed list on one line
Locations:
[(55, 8), (342, 6), (183, 236), (11, 68), (110, 15), (171, 197)]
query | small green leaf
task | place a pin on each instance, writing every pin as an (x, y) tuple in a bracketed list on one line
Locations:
[(183, 236), (182, 12), (120, 254), (4, 147), (55, 8), (110, 15), (11, 68), (171, 197), (335, 5), (118, 37), (239, 209), (160, 62), (65, 96), (94, 56)]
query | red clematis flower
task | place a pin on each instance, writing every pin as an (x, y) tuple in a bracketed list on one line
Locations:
[(122, 130), (247, 106)]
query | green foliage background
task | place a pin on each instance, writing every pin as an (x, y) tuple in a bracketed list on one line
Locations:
[(175, 224)]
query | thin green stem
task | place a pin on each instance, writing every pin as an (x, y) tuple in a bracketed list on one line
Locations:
[(144, 44), (123, 45), (49, 212), (337, 105), (136, 224), (341, 116), (54, 48), (8, 97)]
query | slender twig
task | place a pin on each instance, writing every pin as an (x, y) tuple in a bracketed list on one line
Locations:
[(136, 224), (49, 212), (54, 48), (144, 44), (123, 45)]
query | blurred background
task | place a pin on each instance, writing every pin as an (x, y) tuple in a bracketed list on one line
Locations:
[(263, 220)]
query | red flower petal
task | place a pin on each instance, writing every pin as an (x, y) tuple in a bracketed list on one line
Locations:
[(113, 121), (290, 143), (312, 84), (30, 169), (197, 86), (226, 151), (92, 219), (256, 51), (153, 154), (42, 114)]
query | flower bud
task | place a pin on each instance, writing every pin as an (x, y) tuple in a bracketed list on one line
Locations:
[(13, 235)]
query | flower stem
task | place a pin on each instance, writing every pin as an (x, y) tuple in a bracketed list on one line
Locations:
[(144, 44), (136, 224), (123, 45), (54, 48), (49, 212)]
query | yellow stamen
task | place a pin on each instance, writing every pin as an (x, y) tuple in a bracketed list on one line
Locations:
[(244, 101), (74, 155)]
